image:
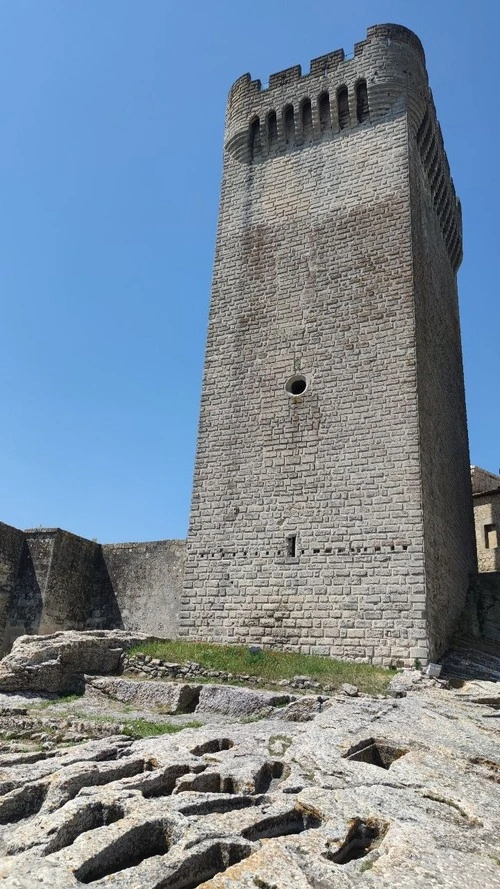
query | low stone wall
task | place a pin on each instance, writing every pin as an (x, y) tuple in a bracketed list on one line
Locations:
[(146, 579), (487, 525), (11, 551), (146, 667), (52, 580), (77, 593)]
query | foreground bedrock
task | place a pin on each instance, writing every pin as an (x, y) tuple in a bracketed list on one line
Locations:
[(375, 792)]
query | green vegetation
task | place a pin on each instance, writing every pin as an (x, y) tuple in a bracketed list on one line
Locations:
[(105, 718), (270, 665), (137, 728), (143, 728), (52, 702)]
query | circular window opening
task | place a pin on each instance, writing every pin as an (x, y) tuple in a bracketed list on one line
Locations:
[(296, 385)]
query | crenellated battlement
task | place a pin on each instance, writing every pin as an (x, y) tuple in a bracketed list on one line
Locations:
[(388, 34), (389, 63), (385, 76)]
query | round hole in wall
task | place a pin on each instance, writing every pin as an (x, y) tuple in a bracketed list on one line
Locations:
[(296, 385)]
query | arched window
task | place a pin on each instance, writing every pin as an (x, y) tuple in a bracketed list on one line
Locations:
[(271, 129), (255, 144), (289, 125), (343, 108), (362, 109), (306, 120), (325, 120)]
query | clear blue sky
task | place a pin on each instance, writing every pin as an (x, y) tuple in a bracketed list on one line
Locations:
[(112, 118)]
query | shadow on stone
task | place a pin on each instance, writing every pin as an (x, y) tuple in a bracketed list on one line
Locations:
[(360, 839), (213, 746), (22, 802), (292, 822), (128, 850), (205, 862), (88, 818), (270, 774), (375, 753)]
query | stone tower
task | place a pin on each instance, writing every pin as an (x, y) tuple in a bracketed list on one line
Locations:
[(332, 508)]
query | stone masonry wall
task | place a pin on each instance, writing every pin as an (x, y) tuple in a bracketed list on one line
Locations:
[(313, 275), (40, 543), (60, 584), (449, 548), (147, 581), (68, 599), (307, 522), (483, 481), (11, 549), (52, 580), (26, 604), (487, 525)]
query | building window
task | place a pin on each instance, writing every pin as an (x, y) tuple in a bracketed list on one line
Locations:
[(324, 112), (306, 119), (272, 128), (255, 146), (490, 537), (289, 121), (343, 108), (362, 109)]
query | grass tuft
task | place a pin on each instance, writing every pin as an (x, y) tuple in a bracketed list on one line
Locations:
[(270, 665), (52, 702), (143, 728)]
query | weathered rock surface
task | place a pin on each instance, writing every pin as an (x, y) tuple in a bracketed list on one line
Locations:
[(58, 663), (172, 697), (304, 709), (352, 691), (177, 697), (371, 792), (234, 701), (352, 791), (486, 693)]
